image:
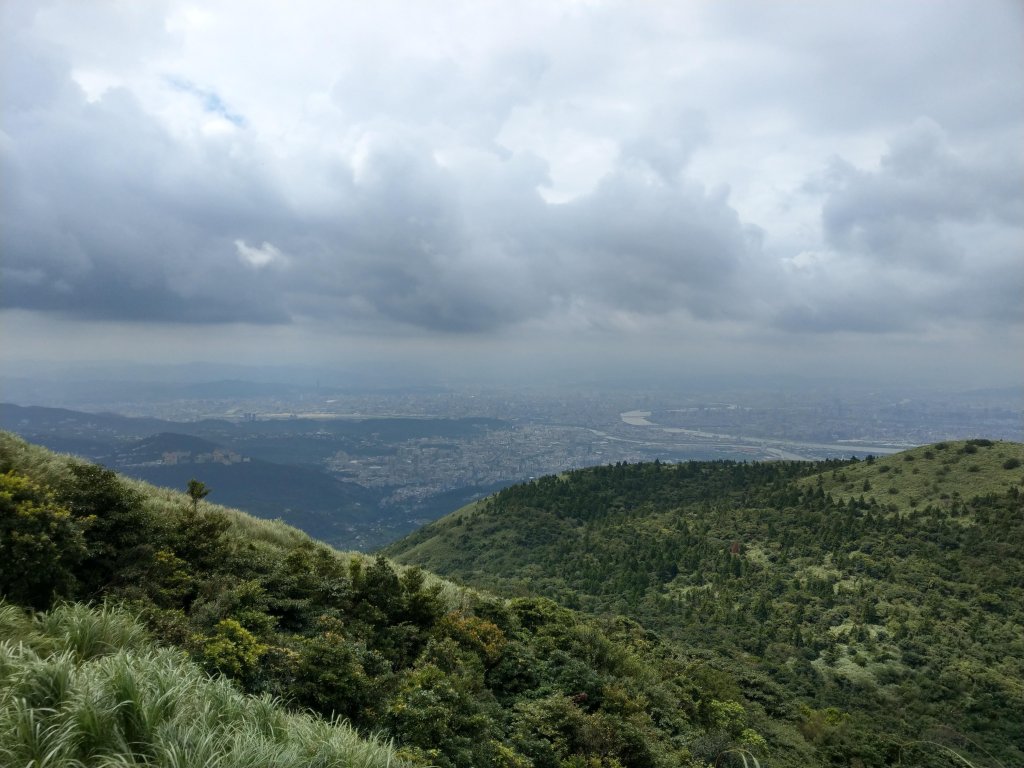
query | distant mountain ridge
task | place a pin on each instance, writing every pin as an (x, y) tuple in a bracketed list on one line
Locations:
[(172, 448), (269, 467), (306, 498), (46, 419), (302, 496)]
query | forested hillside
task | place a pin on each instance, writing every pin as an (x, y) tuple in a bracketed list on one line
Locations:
[(885, 598), (455, 677), (796, 625)]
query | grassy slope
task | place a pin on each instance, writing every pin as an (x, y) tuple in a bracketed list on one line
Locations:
[(930, 475), (75, 681), (86, 687)]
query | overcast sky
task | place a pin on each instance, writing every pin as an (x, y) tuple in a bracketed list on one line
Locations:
[(827, 188)]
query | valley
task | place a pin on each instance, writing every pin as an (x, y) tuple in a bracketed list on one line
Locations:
[(361, 469)]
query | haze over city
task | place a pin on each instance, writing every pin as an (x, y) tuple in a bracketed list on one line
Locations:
[(517, 190)]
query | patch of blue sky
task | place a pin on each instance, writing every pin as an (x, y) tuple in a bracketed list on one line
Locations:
[(210, 100)]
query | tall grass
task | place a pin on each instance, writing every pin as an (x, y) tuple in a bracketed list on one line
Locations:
[(91, 632), (82, 687), (933, 749)]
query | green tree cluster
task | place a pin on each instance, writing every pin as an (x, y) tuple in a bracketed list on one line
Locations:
[(806, 588), (454, 677)]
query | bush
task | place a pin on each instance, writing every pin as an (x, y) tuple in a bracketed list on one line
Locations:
[(232, 650), (40, 543), (1011, 463), (89, 633)]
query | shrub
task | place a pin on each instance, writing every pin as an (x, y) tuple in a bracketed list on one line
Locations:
[(89, 633), (233, 650), (40, 543)]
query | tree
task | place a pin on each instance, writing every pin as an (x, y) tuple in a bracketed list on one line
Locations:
[(118, 532), (197, 491)]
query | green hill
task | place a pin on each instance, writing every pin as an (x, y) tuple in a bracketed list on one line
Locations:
[(453, 676), (794, 627), (886, 593), (936, 475)]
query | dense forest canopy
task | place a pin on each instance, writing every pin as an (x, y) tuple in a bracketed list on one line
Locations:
[(870, 587)]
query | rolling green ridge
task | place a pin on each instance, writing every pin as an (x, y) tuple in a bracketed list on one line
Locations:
[(453, 676), (787, 630), (888, 593)]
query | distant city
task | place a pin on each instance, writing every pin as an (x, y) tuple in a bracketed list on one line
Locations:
[(362, 468)]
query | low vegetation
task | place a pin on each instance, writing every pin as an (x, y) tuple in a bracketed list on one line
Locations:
[(87, 687), (454, 677), (795, 627)]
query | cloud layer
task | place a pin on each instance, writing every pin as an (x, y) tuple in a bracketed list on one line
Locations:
[(473, 168)]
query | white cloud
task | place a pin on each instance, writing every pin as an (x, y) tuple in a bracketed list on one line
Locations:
[(260, 257)]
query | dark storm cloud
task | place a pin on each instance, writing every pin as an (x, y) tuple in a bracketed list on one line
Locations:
[(648, 247), (127, 229), (418, 244), (110, 217), (934, 235), (105, 216), (544, 176)]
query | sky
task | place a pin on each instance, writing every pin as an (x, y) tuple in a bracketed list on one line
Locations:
[(517, 189)]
